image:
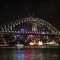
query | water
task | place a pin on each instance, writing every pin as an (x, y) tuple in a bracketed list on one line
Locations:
[(29, 54)]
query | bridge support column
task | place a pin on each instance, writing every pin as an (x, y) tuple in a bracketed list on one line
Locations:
[(11, 28), (2, 29), (34, 27)]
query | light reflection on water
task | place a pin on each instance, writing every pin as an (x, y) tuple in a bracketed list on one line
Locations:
[(29, 54)]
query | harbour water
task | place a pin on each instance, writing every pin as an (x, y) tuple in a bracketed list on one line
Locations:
[(29, 54)]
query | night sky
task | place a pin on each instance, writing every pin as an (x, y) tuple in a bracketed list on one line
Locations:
[(48, 10)]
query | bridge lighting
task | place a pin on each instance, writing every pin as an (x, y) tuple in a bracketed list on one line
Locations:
[(43, 32), (30, 32), (29, 20), (12, 31), (16, 23), (37, 32), (6, 31), (18, 31), (15, 36), (13, 25), (34, 20), (22, 29), (19, 22), (15, 31)]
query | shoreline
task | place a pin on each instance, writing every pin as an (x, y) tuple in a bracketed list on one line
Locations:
[(32, 47)]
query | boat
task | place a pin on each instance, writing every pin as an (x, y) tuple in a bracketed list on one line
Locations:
[(19, 46)]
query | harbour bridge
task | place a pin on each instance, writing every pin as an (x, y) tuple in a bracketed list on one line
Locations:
[(32, 28), (29, 25)]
